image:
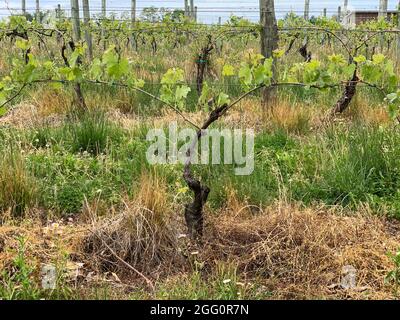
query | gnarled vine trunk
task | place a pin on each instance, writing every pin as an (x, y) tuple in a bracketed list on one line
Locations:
[(291, 43), (194, 214), (304, 51), (349, 91), (194, 210)]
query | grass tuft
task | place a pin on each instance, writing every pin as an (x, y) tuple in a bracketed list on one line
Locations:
[(93, 133), (18, 191)]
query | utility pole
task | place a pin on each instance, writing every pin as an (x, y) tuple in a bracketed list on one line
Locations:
[(307, 10), (86, 21), (269, 41), (75, 20)]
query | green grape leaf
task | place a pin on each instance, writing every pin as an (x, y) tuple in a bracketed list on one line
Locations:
[(348, 70), (223, 99), (172, 76), (228, 70), (392, 97), (245, 74), (278, 53), (56, 85), (96, 69), (337, 59), (378, 58), (3, 110), (260, 74), (370, 73), (360, 59), (22, 44), (138, 83), (181, 92)]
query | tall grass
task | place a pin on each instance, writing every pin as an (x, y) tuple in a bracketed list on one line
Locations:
[(351, 166), (18, 191), (338, 166), (92, 133)]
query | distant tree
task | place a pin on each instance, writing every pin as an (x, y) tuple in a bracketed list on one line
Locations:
[(313, 19), (177, 15), (150, 14), (153, 14)]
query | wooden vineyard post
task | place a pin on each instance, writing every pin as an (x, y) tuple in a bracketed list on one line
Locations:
[(103, 17), (186, 8), (307, 10), (192, 9), (77, 38), (58, 13), (133, 20), (23, 7), (75, 20), (37, 13), (383, 6), (86, 20), (398, 35), (133, 11), (269, 42), (345, 6)]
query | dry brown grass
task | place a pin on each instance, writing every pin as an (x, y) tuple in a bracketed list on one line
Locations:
[(18, 190), (299, 253), (363, 111), (121, 102), (144, 234), (50, 101), (291, 118), (293, 252), (48, 243), (3, 64), (21, 116), (27, 115)]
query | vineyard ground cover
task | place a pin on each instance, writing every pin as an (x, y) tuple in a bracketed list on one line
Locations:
[(322, 195), (307, 169)]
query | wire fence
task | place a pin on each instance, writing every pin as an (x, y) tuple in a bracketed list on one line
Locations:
[(122, 14), (226, 28)]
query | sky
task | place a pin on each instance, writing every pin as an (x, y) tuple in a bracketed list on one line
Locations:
[(208, 10)]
